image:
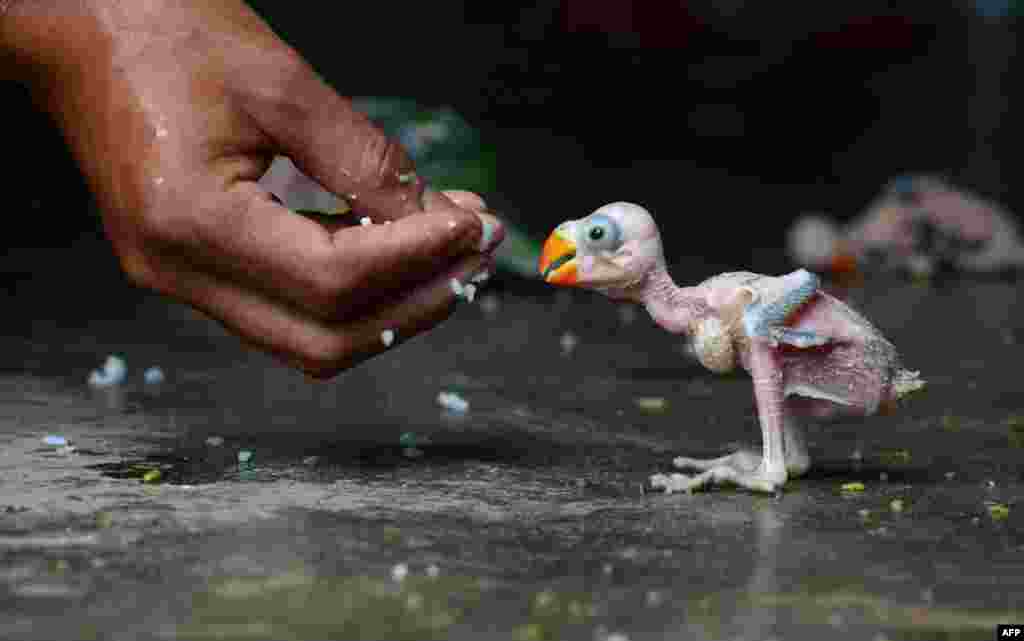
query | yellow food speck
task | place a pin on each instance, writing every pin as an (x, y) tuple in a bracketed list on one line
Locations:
[(856, 486), (998, 511), (651, 403), (152, 476)]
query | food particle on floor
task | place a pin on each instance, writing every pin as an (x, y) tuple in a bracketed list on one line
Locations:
[(896, 505), (152, 476), (215, 441), (568, 342), (399, 572), (452, 402), (113, 373), (855, 486), (651, 404), (998, 511)]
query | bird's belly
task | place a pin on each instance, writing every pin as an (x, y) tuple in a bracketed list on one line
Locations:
[(846, 374)]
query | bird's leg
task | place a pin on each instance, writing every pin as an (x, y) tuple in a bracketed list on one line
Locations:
[(770, 473), (798, 461), (766, 320)]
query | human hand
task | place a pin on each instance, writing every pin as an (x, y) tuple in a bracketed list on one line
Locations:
[(175, 109)]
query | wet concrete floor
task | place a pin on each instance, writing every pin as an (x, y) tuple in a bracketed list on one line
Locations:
[(366, 511)]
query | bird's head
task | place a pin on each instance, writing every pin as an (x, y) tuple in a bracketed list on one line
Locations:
[(611, 251)]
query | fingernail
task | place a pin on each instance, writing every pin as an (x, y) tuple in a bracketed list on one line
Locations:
[(492, 234)]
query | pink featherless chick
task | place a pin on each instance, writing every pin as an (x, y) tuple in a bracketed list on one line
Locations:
[(918, 224), (809, 354)]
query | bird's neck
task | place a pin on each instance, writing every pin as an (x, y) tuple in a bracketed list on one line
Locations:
[(672, 307)]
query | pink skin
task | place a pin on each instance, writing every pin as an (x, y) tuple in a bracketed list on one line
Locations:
[(845, 366), (888, 225)]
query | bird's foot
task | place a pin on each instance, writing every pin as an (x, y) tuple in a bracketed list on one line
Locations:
[(757, 480), (748, 461), (740, 460)]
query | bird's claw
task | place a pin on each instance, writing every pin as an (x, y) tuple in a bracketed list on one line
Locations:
[(755, 480)]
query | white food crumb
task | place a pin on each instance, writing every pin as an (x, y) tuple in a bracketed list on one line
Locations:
[(452, 224), (153, 375), (568, 342), (456, 287), (365, 220), (470, 290), (113, 373), (215, 441), (452, 402), (433, 571), (482, 277), (399, 572), (387, 337)]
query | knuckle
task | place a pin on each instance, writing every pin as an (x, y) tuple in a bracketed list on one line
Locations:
[(384, 158)]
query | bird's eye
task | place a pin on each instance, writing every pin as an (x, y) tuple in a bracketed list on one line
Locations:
[(601, 233)]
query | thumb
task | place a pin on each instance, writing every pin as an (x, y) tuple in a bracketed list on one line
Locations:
[(337, 145)]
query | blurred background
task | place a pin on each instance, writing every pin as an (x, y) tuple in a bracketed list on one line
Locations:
[(727, 118)]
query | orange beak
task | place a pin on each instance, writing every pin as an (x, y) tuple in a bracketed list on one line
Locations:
[(558, 260)]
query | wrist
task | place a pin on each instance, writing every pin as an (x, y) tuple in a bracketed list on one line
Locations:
[(42, 40)]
